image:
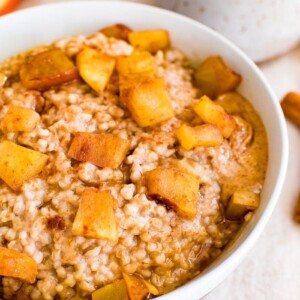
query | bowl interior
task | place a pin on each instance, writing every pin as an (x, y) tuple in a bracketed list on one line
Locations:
[(32, 27)]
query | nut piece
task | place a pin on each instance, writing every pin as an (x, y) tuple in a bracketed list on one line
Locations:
[(215, 114), (214, 78), (297, 210), (138, 288), (175, 188), (101, 149), (18, 164), (149, 102), (240, 203), (19, 119), (117, 31), (114, 291), (17, 265), (47, 69), (150, 40), (95, 68), (204, 135), (291, 107), (95, 217)]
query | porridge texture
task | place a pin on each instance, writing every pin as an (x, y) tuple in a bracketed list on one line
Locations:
[(160, 241)]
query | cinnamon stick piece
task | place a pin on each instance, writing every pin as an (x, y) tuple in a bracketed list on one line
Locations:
[(291, 107)]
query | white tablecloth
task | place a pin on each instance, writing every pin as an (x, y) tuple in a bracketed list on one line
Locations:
[(271, 271)]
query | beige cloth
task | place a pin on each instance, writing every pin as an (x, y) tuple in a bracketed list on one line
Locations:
[(272, 268)]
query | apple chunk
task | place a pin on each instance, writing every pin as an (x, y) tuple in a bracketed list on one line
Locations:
[(95, 217), (138, 288), (150, 40), (17, 265), (18, 164), (101, 149), (95, 68), (118, 31), (215, 114), (19, 119), (114, 291), (175, 188), (206, 135), (47, 69), (240, 203), (149, 102), (215, 78)]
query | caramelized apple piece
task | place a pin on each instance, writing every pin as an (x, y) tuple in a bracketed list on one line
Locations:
[(149, 102), (138, 288), (240, 203), (95, 68), (18, 164), (47, 69), (214, 78), (118, 31), (150, 40), (175, 188), (95, 217), (3, 79), (203, 135), (215, 114), (19, 119), (17, 265), (101, 149), (138, 62), (114, 291)]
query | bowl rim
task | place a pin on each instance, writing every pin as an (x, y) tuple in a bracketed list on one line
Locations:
[(233, 260)]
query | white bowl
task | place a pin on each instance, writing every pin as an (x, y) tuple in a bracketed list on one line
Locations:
[(25, 29)]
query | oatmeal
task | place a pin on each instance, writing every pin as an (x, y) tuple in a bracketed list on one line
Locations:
[(117, 172)]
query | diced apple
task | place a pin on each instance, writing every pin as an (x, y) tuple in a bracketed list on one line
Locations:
[(215, 114), (95, 217), (47, 69), (138, 288), (95, 68), (101, 149), (118, 31), (215, 78), (149, 102), (150, 40), (137, 62), (18, 164), (114, 291), (175, 188), (206, 135), (19, 119), (3, 79), (17, 265), (240, 203)]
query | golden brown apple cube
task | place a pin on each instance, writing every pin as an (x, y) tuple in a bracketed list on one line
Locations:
[(215, 114), (17, 265), (206, 135), (101, 149), (18, 164), (3, 79), (95, 68), (138, 288), (95, 217), (118, 31), (47, 69), (19, 119), (114, 291), (137, 62), (150, 40), (149, 102), (175, 188), (215, 78), (240, 203)]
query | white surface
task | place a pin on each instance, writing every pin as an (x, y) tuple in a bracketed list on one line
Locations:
[(268, 272), (261, 28)]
